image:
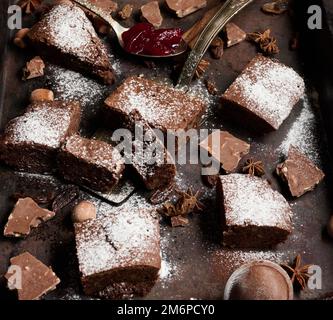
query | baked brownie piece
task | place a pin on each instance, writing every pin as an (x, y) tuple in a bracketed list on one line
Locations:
[(254, 215), (31, 142), (120, 249), (264, 93), (301, 174), (37, 278), (90, 162), (66, 36), (226, 149), (155, 173), (163, 107)]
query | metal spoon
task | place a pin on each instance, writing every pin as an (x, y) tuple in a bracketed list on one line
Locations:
[(119, 30)]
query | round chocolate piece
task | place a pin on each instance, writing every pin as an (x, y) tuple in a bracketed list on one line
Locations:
[(259, 280), (330, 227)]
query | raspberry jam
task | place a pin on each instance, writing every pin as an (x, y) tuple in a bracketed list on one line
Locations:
[(144, 39)]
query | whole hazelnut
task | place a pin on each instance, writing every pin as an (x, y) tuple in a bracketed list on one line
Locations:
[(19, 38), (84, 211), (41, 95), (330, 227)]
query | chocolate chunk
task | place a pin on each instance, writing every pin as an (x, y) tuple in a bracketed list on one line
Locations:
[(217, 52), (152, 14), (26, 215), (259, 280), (301, 174), (108, 6), (65, 197), (126, 11), (253, 214), (179, 221), (183, 8), (34, 68), (210, 180), (37, 278), (234, 34), (211, 87), (226, 149)]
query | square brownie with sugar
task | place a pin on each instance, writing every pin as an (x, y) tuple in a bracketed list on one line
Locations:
[(31, 141), (253, 214), (264, 94), (93, 163), (119, 252), (162, 106)]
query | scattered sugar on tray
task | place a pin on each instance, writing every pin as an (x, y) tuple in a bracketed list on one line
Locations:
[(303, 134)]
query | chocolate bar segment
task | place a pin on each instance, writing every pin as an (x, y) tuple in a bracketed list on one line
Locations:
[(183, 8)]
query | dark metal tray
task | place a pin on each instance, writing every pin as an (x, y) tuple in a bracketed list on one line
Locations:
[(195, 264)]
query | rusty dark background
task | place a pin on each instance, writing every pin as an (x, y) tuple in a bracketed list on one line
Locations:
[(199, 265)]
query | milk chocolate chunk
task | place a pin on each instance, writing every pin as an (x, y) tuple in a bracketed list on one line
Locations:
[(26, 215), (253, 214), (263, 95), (126, 11), (37, 278), (226, 149), (34, 68), (183, 8), (152, 14), (234, 34), (301, 174)]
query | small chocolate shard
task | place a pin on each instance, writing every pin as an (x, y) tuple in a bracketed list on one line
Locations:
[(26, 215), (234, 34), (152, 14), (36, 278), (34, 68), (210, 180), (179, 221), (183, 8), (301, 174), (276, 7), (211, 87), (226, 149), (126, 12)]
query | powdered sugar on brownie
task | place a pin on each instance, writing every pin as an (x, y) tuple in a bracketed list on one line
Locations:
[(267, 88), (45, 126), (251, 201)]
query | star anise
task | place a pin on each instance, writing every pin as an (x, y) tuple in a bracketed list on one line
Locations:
[(265, 41), (299, 274), (254, 168), (202, 68), (28, 6)]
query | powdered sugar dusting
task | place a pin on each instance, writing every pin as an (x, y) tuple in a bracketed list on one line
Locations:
[(303, 134), (269, 89), (45, 126), (251, 201)]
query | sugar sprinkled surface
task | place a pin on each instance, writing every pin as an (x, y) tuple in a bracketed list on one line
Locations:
[(268, 89), (44, 126), (251, 201)]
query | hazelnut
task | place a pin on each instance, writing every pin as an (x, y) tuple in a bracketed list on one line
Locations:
[(330, 227), (41, 95), (19, 38), (84, 211)]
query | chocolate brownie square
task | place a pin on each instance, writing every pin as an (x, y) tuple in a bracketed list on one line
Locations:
[(66, 36), (30, 142), (160, 105), (264, 94), (253, 214), (119, 252), (301, 174), (93, 163)]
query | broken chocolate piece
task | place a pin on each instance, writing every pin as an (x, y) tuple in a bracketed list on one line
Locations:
[(276, 7), (65, 197), (226, 149), (183, 8), (126, 11), (211, 87), (25, 215), (152, 14), (37, 278), (34, 68), (234, 34), (210, 180), (301, 174), (179, 221)]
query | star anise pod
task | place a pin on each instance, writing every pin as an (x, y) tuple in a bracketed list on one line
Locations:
[(188, 202), (298, 274), (28, 6), (259, 37), (254, 168), (202, 68), (265, 41)]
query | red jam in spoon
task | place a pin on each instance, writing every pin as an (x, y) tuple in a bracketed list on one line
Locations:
[(144, 39)]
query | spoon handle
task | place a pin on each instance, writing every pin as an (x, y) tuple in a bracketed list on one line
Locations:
[(214, 26)]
